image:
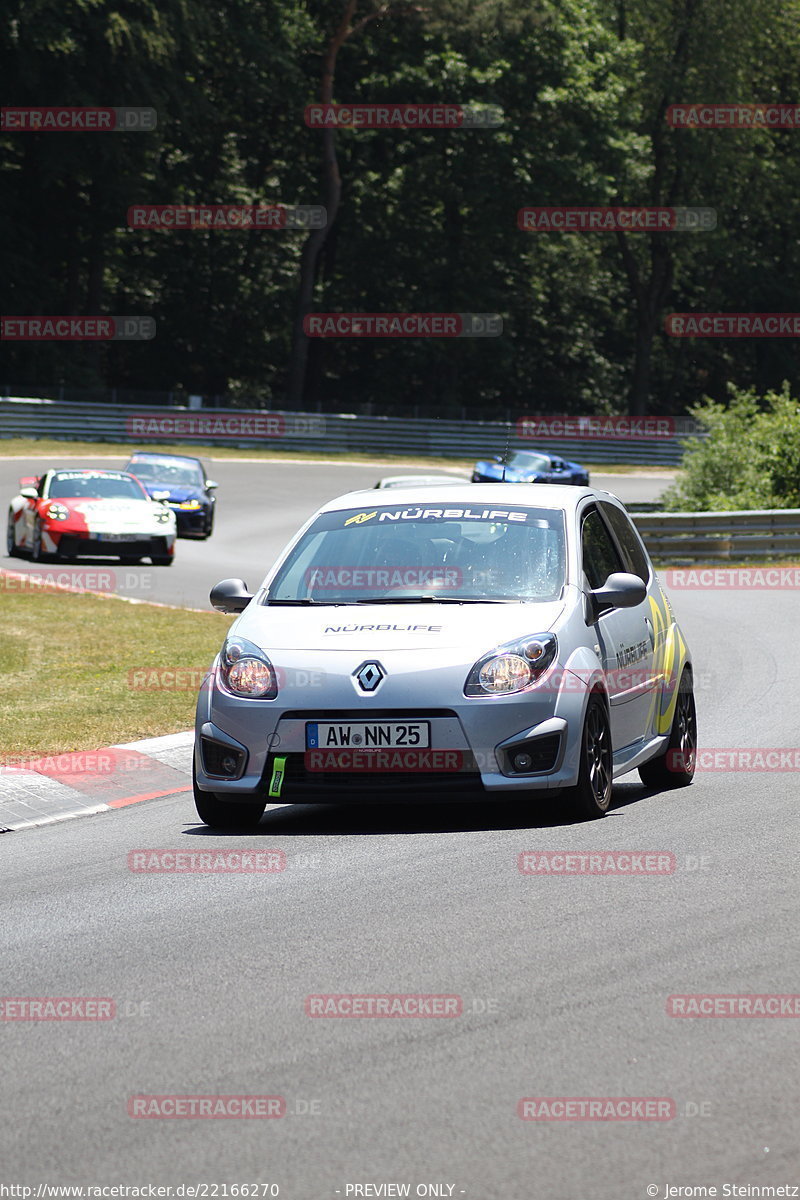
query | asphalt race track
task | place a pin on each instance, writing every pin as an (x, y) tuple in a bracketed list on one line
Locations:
[(260, 506), (564, 980)]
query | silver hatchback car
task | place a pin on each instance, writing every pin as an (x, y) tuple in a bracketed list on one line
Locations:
[(451, 643)]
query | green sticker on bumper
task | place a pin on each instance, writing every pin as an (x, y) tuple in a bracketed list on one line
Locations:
[(278, 772)]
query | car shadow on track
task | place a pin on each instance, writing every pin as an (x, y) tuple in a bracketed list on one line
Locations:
[(308, 820)]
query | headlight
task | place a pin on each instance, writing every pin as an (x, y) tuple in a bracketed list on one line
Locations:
[(512, 668), (162, 516), (246, 671), (58, 512)]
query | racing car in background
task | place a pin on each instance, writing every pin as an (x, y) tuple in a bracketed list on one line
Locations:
[(179, 482), (83, 511), (529, 466)]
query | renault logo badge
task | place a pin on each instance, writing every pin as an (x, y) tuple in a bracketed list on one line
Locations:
[(369, 675)]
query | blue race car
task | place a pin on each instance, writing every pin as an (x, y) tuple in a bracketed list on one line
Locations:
[(528, 466), (179, 482)]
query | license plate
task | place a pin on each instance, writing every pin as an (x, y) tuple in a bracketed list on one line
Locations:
[(367, 735), (119, 537)]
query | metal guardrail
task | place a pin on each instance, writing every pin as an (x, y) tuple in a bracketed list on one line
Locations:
[(700, 537), (686, 537), (341, 432)]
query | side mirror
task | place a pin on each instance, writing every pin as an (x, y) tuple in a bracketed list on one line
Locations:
[(211, 484), (497, 458), (230, 596), (620, 590), (30, 493), (557, 464)]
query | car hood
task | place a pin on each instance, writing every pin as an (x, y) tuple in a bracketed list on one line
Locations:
[(175, 492), (381, 627), (112, 513)]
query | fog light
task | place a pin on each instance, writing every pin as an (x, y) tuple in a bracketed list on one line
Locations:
[(223, 762), (522, 762)]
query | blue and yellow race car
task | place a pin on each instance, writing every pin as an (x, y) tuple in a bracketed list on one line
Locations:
[(180, 483), (529, 466)]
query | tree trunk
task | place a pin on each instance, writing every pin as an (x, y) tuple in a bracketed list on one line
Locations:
[(332, 193)]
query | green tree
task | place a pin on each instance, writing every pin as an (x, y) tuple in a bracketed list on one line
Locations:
[(749, 458)]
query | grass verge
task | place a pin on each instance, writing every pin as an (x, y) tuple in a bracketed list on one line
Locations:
[(80, 671), (44, 447)]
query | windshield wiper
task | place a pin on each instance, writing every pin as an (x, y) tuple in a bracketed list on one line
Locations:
[(428, 599), (307, 601)]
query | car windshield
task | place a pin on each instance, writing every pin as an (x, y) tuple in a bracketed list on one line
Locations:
[(96, 485), (408, 553), (169, 473), (528, 461)]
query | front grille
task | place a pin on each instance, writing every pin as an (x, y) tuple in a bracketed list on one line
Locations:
[(70, 547), (368, 714), (362, 786)]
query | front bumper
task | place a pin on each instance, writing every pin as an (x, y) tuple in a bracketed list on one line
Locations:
[(190, 521), (473, 742), (69, 545)]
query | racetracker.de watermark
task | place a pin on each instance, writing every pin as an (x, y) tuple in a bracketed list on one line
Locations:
[(227, 216), (387, 761), (739, 758), (721, 579), (207, 862), (366, 578), (248, 426), (77, 329), (615, 219), (745, 1004), (77, 120), (403, 116), (221, 1108), (403, 325), (596, 862), (57, 1008), (619, 428), (596, 1108), (168, 679), (732, 325), (89, 762), (192, 679), (88, 580), (733, 116), (389, 1005)]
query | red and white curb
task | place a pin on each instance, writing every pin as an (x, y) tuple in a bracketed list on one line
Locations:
[(58, 787)]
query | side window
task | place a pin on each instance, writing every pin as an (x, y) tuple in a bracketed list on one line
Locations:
[(599, 554), (635, 557)]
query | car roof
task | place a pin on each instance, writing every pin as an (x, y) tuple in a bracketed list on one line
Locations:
[(500, 495), (398, 481), (157, 454), (89, 471)]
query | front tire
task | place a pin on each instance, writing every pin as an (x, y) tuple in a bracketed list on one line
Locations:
[(675, 766), (37, 554), (591, 797), (12, 550), (226, 814)]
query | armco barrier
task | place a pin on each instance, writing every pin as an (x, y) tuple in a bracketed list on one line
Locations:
[(340, 433), (700, 537)]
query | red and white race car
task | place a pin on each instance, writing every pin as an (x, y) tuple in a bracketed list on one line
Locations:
[(84, 511)]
